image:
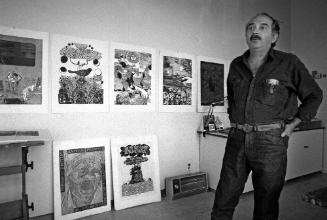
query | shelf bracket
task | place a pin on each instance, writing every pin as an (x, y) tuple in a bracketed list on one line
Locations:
[(31, 206), (27, 165)]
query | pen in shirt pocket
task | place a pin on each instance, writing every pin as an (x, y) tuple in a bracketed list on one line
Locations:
[(272, 83)]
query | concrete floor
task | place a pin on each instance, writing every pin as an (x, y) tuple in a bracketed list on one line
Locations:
[(198, 207)]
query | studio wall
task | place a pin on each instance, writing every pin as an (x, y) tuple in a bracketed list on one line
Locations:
[(308, 41), (212, 28)]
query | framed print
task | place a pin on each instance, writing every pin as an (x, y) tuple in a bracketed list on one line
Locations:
[(79, 74), (177, 87), (132, 82), (81, 172), (23, 71), (135, 167), (212, 84)]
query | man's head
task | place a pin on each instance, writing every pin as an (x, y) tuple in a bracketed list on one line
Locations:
[(262, 32)]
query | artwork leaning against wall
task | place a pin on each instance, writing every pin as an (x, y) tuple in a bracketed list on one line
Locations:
[(135, 166), (81, 177)]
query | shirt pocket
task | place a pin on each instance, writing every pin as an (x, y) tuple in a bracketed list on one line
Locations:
[(272, 92)]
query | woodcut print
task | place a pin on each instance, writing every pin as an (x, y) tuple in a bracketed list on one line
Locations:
[(80, 84), (177, 83), (80, 74), (81, 178), (23, 75), (212, 84), (132, 77), (135, 169), (136, 155)]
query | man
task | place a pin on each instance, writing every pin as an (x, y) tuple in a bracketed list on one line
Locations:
[(263, 86)]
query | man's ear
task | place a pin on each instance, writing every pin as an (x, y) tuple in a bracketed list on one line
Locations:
[(275, 37)]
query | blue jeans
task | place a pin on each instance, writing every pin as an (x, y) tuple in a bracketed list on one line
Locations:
[(265, 154)]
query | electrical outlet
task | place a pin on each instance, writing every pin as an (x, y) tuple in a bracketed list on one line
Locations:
[(189, 167)]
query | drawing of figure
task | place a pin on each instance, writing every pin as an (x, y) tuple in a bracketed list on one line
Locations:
[(13, 81), (63, 94), (27, 91)]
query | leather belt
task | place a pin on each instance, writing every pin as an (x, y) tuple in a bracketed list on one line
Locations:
[(257, 127)]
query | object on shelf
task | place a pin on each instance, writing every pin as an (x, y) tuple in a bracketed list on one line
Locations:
[(19, 209), (309, 125), (210, 121)]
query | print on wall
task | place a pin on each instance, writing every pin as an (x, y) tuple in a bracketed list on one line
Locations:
[(79, 77), (23, 71), (132, 78), (135, 166), (177, 89), (81, 178), (212, 84)]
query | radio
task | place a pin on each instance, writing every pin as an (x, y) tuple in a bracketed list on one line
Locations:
[(185, 185)]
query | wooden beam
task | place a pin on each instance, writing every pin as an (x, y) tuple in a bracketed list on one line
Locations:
[(10, 170), (11, 210)]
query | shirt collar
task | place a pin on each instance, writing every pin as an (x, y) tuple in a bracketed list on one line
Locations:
[(271, 55)]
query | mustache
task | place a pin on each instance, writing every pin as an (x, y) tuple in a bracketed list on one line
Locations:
[(255, 37)]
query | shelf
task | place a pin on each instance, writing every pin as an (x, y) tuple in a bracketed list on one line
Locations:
[(10, 170), (23, 144), (218, 133)]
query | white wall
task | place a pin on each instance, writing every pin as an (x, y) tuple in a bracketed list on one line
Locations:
[(309, 41), (212, 28), (308, 38)]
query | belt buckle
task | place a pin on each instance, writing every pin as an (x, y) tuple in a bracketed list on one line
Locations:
[(247, 128)]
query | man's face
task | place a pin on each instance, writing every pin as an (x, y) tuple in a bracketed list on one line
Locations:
[(259, 34)]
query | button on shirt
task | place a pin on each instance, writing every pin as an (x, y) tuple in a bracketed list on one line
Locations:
[(272, 95)]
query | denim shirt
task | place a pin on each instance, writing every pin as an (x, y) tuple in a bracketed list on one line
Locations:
[(272, 95)]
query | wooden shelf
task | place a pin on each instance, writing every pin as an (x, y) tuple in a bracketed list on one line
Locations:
[(23, 144), (10, 170), (19, 209)]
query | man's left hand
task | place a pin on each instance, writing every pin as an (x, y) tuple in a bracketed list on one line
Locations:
[(290, 127)]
